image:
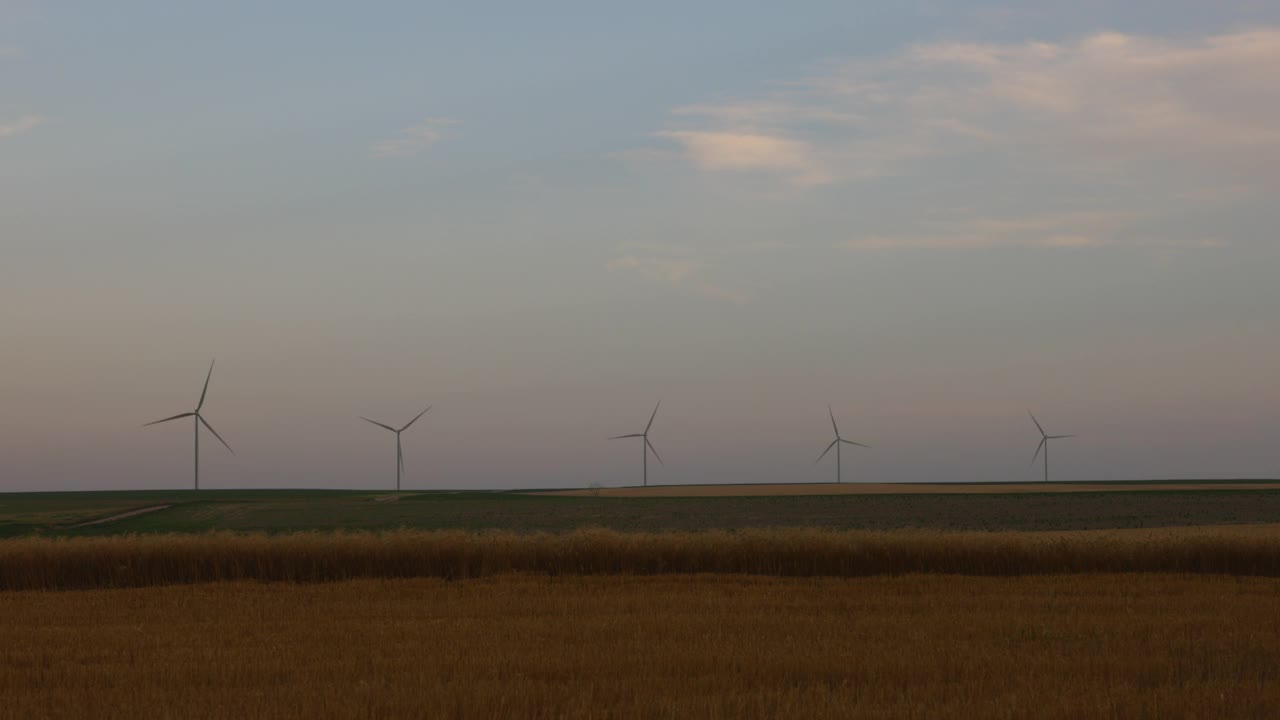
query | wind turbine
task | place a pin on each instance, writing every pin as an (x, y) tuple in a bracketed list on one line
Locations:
[(836, 444), (647, 446), (399, 452), (1044, 444), (198, 420)]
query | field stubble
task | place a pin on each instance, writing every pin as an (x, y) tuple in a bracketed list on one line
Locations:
[(130, 561), (1102, 646)]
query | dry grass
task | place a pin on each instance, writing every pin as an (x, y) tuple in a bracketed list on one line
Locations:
[(791, 489), (131, 561), (1095, 646)]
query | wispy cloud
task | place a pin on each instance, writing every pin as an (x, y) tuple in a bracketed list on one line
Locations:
[(412, 140), (767, 112), (753, 151), (685, 273), (1073, 230), (21, 125), (1090, 141), (1049, 230), (1115, 93), (11, 51), (962, 241), (1118, 101)]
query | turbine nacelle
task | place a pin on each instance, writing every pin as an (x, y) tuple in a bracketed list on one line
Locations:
[(1044, 444), (204, 392), (399, 449), (647, 445), (836, 443)]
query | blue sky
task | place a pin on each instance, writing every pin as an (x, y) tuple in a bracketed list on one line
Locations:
[(541, 220)]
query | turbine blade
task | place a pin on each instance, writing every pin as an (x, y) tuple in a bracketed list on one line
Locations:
[(175, 417), (850, 442), (406, 427), (824, 452), (833, 420), (400, 457), (1037, 422), (651, 417), (205, 391), (655, 451), (215, 433), (1059, 437), (619, 437), (375, 422), (1041, 445)]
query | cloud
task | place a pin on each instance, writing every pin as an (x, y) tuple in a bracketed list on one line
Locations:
[(1071, 230), (1053, 230), (752, 151), (21, 125), (1106, 103), (10, 51), (1097, 140), (411, 140), (959, 241), (677, 272), (1112, 92), (754, 113), (660, 269)]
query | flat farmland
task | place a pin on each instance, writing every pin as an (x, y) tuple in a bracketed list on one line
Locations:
[(1098, 646), (825, 489), (24, 514)]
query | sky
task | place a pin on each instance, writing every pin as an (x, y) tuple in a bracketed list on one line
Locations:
[(543, 218)]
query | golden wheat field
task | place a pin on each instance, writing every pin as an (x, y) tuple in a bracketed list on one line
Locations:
[(715, 646), (141, 560)]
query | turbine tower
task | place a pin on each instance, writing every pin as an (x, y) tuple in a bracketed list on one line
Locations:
[(1044, 444), (836, 444), (647, 446), (197, 422), (399, 452)]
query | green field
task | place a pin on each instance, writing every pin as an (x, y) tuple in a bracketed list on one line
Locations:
[(298, 510)]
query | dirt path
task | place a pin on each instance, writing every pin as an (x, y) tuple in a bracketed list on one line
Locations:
[(120, 516), (394, 498)]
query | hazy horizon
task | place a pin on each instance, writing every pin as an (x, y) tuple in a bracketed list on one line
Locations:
[(541, 221)]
